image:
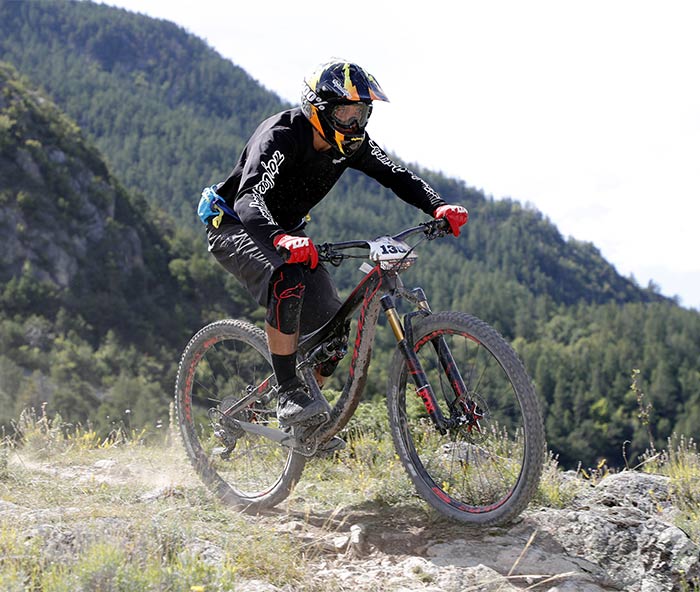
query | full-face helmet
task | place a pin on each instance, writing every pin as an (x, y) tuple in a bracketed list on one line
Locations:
[(337, 100)]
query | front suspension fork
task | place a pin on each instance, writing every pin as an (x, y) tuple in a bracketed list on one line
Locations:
[(415, 368)]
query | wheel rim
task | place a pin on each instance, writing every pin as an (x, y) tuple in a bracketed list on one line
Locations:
[(222, 371), (476, 467)]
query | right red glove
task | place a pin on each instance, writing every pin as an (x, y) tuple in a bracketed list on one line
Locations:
[(456, 216), (300, 248)]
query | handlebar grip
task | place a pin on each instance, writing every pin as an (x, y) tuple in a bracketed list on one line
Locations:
[(284, 253), (443, 224)]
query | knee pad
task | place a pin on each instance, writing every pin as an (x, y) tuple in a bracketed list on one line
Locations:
[(284, 300)]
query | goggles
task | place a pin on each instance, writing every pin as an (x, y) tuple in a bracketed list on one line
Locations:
[(350, 118)]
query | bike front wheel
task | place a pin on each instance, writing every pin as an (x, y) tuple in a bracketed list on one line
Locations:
[(486, 468), (223, 363)]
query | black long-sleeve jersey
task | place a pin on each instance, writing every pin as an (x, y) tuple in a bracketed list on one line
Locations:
[(280, 177)]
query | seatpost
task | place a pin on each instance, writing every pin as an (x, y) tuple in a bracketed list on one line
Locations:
[(415, 369)]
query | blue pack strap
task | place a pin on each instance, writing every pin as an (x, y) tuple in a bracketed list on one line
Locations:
[(212, 207)]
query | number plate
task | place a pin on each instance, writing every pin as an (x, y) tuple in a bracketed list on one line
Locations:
[(391, 253)]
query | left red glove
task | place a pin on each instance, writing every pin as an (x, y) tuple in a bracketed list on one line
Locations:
[(456, 216), (300, 249)]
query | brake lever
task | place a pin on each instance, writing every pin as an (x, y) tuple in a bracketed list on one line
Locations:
[(328, 255)]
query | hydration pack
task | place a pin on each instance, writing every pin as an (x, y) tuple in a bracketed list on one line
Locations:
[(212, 207)]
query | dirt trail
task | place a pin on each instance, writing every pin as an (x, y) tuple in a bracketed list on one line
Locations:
[(615, 537)]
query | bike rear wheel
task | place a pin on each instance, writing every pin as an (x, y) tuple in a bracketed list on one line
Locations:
[(223, 363), (486, 470)]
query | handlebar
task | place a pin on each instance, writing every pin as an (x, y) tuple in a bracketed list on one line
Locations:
[(330, 252), (432, 229)]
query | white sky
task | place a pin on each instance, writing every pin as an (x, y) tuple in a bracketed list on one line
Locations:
[(588, 110)]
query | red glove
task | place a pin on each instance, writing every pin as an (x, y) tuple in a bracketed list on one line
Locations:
[(455, 215), (300, 249)]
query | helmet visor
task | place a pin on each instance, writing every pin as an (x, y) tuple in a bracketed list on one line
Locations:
[(350, 118)]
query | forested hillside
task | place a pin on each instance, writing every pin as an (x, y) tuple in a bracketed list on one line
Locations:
[(168, 116), (166, 111), (90, 306)]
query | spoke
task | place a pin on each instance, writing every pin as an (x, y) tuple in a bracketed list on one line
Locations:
[(211, 397), (229, 376), (477, 386)]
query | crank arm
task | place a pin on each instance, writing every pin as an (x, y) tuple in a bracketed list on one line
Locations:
[(279, 436)]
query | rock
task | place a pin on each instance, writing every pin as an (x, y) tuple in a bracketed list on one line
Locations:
[(291, 526), (617, 527), (509, 553), (105, 464), (574, 586), (613, 537), (649, 493), (353, 544), (479, 578), (207, 551), (358, 541), (8, 508), (340, 543), (162, 493)]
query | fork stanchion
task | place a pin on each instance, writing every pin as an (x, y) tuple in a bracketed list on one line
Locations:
[(415, 369)]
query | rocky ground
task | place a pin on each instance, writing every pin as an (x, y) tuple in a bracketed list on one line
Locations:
[(615, 535)]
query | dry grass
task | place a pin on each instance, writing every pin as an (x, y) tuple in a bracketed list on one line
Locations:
[(126, 513), (680, 462), (79, 512)]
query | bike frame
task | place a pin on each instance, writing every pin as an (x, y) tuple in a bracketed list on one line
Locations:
[(378, 289)]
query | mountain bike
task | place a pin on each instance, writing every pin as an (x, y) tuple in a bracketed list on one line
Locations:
[(464, 417)]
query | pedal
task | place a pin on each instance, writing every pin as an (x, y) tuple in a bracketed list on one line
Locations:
[(305, 433), (330, 447), (307, 430)]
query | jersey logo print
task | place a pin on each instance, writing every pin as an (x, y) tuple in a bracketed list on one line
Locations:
[(267, 182), (427, 188), (379, 154)]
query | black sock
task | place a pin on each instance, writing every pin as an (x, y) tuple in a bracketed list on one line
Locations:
[(285, 370)]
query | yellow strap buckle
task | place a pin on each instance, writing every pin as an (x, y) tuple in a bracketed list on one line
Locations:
[(216, 222)]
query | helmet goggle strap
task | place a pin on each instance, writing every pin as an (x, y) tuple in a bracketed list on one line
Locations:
[(350, 118)]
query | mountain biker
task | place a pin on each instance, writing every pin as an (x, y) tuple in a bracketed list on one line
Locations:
[(255, 218)]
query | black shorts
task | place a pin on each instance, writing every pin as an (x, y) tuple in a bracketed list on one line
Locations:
[(254, 264)]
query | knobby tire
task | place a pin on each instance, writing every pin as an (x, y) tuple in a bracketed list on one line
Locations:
[(220, 362), (485, 474)]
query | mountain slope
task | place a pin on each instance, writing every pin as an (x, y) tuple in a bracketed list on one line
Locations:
[(93, 288), (102, 286), (81, 268), (71, 234), (157, 101), (134, 517), (171, 116)]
